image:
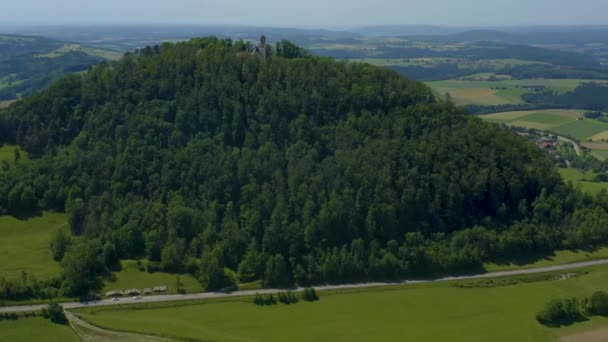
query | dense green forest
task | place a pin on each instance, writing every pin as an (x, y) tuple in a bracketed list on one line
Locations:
[(202, 157)]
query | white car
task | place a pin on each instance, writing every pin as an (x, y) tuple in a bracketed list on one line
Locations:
[(115, 299), (137, 297)]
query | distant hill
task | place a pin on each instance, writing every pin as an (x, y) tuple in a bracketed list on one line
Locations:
[(29, 63)]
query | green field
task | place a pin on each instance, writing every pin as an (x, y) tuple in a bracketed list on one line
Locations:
[(560, 121), (556, 258), (25, 245), (509, 91), (35, 329), (105, 54), (131, 276), (429, 312), (582, 129), (583, 180), (7, 152)]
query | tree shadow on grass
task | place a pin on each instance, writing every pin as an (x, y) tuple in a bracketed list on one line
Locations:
[(24, 215), (536, 257)]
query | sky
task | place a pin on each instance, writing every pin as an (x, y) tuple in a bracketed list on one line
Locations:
[(306, 13)]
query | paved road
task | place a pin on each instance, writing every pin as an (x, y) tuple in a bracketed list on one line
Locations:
[(208, 295), (577, 148)]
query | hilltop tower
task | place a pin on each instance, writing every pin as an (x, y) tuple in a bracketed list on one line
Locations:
[(262, 46)]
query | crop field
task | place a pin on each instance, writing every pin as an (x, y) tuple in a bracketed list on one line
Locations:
[(582, 129), (603, 136), (133, 275), (105, 54), (433, 61), (559, 121), (426, 312), (507, 91), (25, 245), (35, 329), (538, 119), (583, 179)]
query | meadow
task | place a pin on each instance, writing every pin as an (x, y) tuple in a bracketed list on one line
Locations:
[(25, 245), (583, 179), (507, 91), (35, 329), (133, 275), (425, 312), (7, 153)]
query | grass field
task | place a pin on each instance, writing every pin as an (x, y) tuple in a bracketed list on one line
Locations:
[(508, 91), (428, 312), (25, 245), (582, 129), (132, 277), (559, 121), (583, 180), (7, 152), (35, 329), (556, 258)]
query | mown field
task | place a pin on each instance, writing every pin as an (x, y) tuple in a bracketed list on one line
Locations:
[(466, 91), (429, 312), (35, 329), (24, 245)]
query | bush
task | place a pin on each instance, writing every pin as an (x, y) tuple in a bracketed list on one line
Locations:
[(310, 295), (54, 312), (560, 312), (287, 297), (263, 300), (598, 303)]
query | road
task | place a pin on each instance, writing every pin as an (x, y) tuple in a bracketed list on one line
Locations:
[(210, 295), (577, 148)]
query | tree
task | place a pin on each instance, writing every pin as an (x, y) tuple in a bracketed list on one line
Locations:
[(309, 294), (83, 267), (598, 303), (212, 275), (59, 244), (277, 274), (76, 211), (54, 312)]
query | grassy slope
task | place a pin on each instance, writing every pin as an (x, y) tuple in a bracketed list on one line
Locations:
[(35, 329), (430, 312), (7, 152), (556, 258), (582, 179), (131, 277), (25, 243)]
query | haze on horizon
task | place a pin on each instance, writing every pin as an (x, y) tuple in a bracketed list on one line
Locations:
[(310, 13)]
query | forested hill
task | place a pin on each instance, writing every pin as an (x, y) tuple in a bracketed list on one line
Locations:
[(200, 155)]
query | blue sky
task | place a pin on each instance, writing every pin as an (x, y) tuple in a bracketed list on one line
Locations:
[(307, 13)]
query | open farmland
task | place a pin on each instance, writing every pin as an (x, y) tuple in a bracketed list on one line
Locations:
[(430, 312), (26, 244), (466, 91), (35, 329), (537, 119)]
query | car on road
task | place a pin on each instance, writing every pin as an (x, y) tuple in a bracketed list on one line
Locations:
[(137, 297), (115, 299)]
